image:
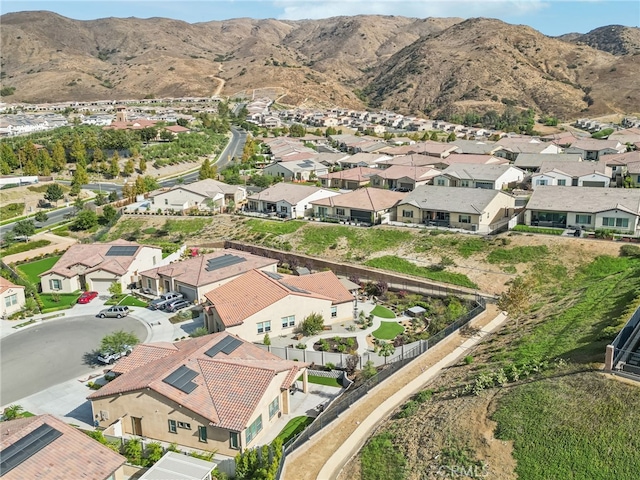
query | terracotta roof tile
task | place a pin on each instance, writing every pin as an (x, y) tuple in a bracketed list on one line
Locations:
[(322, 283), (368, 199), (7, 284), (73, 455)]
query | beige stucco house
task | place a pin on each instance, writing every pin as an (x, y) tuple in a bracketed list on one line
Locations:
[(96, 266), (258, 303), (208, 194), (365, 205), (287, 200), (475, 209), (474, 175), (215, 393), (11, 297), (403, 177), (198, 275), (576, 174)]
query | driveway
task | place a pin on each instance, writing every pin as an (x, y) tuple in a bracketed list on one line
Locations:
[(54, 352)]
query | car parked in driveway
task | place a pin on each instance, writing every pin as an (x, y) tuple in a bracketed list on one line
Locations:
[(108, 357), (177, 305), (116, 311), (165, 298), (86, 297)]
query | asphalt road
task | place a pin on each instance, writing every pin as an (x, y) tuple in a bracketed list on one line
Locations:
[(233, 149), (54, 352)]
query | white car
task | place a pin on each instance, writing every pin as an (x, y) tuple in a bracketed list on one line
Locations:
[(110, 357)]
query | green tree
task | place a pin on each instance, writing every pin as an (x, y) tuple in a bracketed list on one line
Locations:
[(386, 350), (109, 214), (129, 191), (139, 186), (12, 412), (117, 341), (148, 133), (24, 228), (150, 183), (7, 154), (129, 168), (41, 217), (312, 324), (54, 193), (115, 288), (330, 131), (98, 159), (114, 167), (183, 122), (80, 176), (206, 170), (78, 152), (29, 152), (297, 130), (142, 165), (44, 162), (452, 137), (166, 135), (58, 156), (85, 220), (113, 196), (266, 340), (369, 370), (30, 168), (5, 169), (434, 136)]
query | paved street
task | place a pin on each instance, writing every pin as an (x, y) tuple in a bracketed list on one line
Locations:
[(54, 352)]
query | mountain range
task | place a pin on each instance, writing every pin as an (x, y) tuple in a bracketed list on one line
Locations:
[(410, 65)]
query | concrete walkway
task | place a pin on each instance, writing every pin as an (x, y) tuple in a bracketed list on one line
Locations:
[(356, 440)]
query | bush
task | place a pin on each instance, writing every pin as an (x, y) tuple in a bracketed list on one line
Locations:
[(312, 325), (630, 251), (369, 370), (468, 360)]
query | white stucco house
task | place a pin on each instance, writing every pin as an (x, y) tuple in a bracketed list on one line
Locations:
[(302, 170), (287, 200), (592, 149), (259, 302), (474, 175), (11, 297), (96, 266), (206, 194), (577, 174)]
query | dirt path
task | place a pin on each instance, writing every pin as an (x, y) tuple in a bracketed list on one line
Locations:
[(57, 243), (307, 462), (221, 82)]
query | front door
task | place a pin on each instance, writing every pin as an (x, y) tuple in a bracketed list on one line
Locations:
[(167, 286), (136, 425)]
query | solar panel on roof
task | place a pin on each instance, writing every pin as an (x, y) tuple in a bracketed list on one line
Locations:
[(217, 348), (293, 289), (231, 346), (121, 251), (181, 379), (223, 261), (275, 276), (27, 446)]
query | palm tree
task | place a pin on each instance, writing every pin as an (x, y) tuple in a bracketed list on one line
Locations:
[(12, 412)]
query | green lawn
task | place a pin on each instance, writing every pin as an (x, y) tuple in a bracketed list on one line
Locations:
[(33, 269), (547, 231), (316, 239), (400, 265), (273, 227), (65, 300), (131, 301), (518, 254), (24, 247), (388, 330), (330, 382), (382, 312), (294, 427), (11, 210), (191, 226)]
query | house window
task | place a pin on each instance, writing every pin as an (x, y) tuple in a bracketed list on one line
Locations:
[(254, 429), (154, 259), (284, 209), (583, 219), (322, 211), (615, 222), (264, 327), (334, 312), (11, 300), (562, 182), (274, 407), (55, 284), (407, 213), (186, 426), (541, 182), (464, 183), (166, 201), (340, 211), (464, 218), (202, 434), (148, 283), (440, 182), (172, 426), (289, 321), (234, 440), (376, 182)]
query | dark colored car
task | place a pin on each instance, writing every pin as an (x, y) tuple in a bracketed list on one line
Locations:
[(86, 297), (177, 305)]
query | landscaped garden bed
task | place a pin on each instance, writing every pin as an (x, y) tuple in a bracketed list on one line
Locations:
[(336, 344)]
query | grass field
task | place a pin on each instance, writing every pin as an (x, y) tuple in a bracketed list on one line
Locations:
[(64, 301), (518, 254), (465, 246), (388, 330), (546, 231), (11, 210), (273, 227), (317, 240), (400, 265), (294, 427), (330, 382), (24, 247), (126, 300), (33, 269), (382, 312), (191, 226)]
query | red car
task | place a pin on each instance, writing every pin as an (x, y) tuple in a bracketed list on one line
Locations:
[(86, 297)]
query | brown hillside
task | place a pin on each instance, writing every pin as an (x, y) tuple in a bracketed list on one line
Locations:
[(616, 39), (404, 63)]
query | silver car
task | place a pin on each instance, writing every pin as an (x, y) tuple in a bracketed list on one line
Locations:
[(116, 311)]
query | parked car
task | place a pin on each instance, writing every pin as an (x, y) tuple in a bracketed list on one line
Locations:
[(177, 305), (109, 357), (116, 311), (165, 298), (86, 297)]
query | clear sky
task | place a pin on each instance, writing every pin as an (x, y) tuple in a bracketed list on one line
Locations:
[(551, 17)]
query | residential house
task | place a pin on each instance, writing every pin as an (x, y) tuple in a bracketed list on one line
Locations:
[(475, 147), (44, 447), (365, 205), (413, 160), (473, 175), (348, 179), (512, 146), (628, 135), (467, 158), (302, 170), (204, 195), (96, 266), (531, 161), (175, 130), (287, 200), (620, 162), (577, 174), (615, 209), (363, 159), (330, 159), (476, 210), (403, 178), (11, 297), (428, 147), (592, 149), (215, 392), (562, 139), (197, 275), (259, 303), (633, 171)]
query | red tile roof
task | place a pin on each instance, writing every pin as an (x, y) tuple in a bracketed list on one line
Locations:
[(7, 284), (367, 199), (73, 455), (229, 387), (322, 283)]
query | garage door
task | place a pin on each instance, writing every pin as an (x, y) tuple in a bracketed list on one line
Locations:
[(101, 285), (593, 184), (361, 215), (189, 293)]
